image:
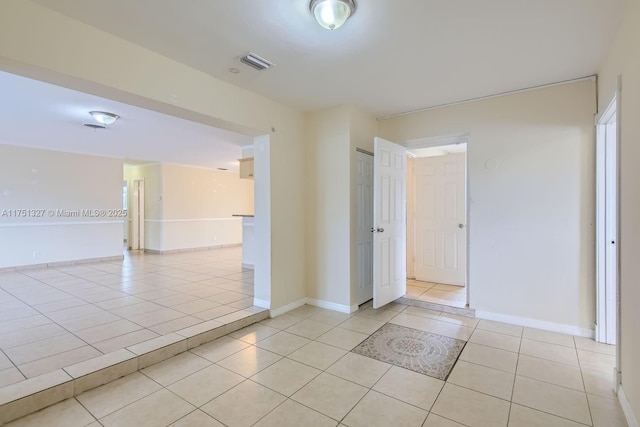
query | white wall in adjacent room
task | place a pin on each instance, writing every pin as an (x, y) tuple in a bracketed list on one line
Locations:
[(198, 205), (45, 181)]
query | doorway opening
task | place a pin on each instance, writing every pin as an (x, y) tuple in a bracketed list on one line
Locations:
[(125, 208), (437, 232), (137, 216)]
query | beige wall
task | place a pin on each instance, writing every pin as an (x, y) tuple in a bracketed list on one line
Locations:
[(190, 193), (624, 60), (332, 137), (36, 42), (46, 181), (187, 207), (198, 205), (532, 218), (328, 216)]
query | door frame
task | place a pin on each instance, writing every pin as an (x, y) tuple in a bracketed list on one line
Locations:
[(606, 318), (438, 141), (138, 215)]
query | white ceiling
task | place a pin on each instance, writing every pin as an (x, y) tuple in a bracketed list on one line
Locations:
[(392, 56), (42, 115)]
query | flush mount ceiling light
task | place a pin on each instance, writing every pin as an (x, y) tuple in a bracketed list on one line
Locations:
[(331, 14), (104, 117)]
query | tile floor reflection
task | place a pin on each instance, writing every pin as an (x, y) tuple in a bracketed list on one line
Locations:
[(452, 296), (56, 317)]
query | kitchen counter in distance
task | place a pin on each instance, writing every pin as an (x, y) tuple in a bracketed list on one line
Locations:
[(248, 241)]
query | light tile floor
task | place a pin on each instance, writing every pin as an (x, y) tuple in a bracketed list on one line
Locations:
[(296, 370), (452, 296), (56, 317)]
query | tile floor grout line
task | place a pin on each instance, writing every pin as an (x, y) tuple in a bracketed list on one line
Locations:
[(63, 351), (86, 409), (583, 384), (515, 376), (14, 365), (552, 414)]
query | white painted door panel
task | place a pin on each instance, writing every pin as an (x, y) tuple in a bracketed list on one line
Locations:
[(607, 227), (137, 215), (440, 219), (364, 211), (389, 236)]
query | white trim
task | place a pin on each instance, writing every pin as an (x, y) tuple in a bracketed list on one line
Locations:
[(299, 303), (57, 224), (626, 408), (611, 109), (261, 303), (534, 323), (483, 98), (607, 322), (126, 164), (332, 306), (210, 169), (436, 141), (61, 263), (164, 221), (287, 308)]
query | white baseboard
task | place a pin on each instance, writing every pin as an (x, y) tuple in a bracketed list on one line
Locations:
[(61, 263), (342, 308), (315, 302), (626, 408), (288, 307), (261, 303), (534, 323)]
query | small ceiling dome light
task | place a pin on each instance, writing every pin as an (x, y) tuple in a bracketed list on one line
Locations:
[(104, 117), (331, 14)]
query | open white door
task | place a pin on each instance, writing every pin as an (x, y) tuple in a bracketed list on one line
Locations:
[(390, 225)]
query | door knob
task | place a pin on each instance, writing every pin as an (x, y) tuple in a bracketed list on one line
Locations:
[(380, 230), (377, 230), (460, 225)]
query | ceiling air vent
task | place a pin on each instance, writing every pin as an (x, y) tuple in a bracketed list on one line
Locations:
[(94, 126), (253, 60)]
